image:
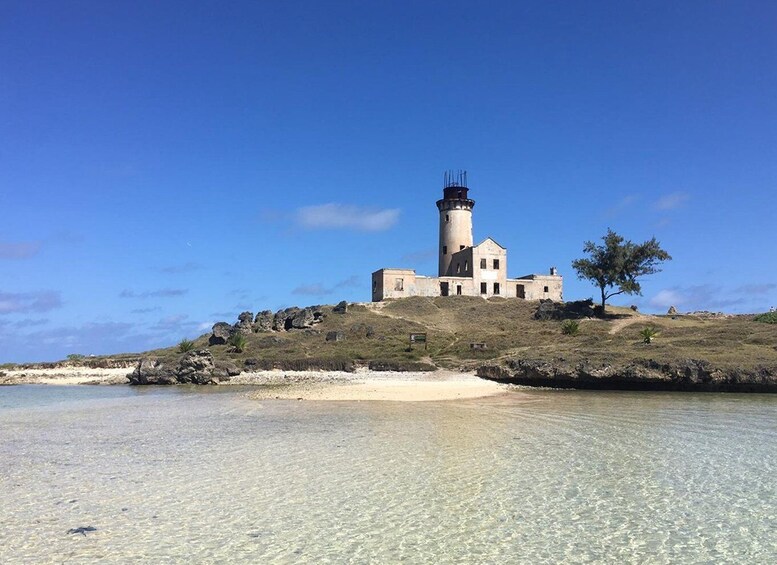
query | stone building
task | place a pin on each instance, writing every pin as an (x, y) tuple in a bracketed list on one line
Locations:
[(464, 268)]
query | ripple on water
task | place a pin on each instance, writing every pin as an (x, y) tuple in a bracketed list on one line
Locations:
[(562, 476)]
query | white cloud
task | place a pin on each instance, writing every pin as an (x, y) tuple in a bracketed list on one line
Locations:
[(667, 298), (344, 216), (671, 201)]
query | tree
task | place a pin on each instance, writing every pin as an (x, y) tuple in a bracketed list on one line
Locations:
[(618, 263)]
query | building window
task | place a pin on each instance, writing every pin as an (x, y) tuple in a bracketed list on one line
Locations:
[(496, 264), (483, 288), (496, 288), (546, 289), (483, 264), (520, 292), (447, 218), (399, 284), (466, 266), (374, 286), (458, 267), (444, 249), (461, 247), (458, 289)]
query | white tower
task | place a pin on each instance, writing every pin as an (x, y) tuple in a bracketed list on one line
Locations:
[(455, 218)]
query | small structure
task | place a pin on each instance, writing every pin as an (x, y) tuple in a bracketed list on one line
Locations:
[(463, 268)]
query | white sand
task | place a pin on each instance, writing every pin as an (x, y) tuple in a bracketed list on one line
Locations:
[(65, 376), (305, 385), (370, 385)]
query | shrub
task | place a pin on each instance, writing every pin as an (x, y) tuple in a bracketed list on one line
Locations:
[(767, 318), (76, 357), (570, 327), (648, 334), (185, 345), (238, 342)]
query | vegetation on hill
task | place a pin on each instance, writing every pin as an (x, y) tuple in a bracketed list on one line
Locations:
[(377, 335), (618, 263)]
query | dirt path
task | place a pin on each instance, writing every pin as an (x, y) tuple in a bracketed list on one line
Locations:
[(619, 324)]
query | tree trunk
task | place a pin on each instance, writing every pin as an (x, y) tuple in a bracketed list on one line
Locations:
[(604, 299)]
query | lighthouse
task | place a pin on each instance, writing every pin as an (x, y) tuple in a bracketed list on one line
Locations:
[(455, 219)]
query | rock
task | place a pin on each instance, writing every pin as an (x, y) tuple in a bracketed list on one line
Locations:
[(227, 368), (221, 333), (335, 336), (245, 323), (195, 367), (549, 310), (296, 318), (82, 530), (151, 371), (672, 311), (635, 374), (282, 319), (634, 307), (263, 321), (341, 308)]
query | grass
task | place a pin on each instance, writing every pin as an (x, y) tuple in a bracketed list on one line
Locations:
[(380, 334)]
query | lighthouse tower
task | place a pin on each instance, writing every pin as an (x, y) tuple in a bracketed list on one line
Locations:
[(455, 218)]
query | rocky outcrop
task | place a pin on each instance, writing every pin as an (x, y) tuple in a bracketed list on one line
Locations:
[(296, 318), (672, 311), (263, 321), (221, 333), (341, 307), (195, 367), (637, 374), (245, 323), (335, 336), (549, 310)]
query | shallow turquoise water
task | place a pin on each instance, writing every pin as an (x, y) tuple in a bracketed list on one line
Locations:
[(206, 475)]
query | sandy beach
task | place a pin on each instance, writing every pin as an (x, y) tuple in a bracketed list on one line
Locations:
[(299, 385)]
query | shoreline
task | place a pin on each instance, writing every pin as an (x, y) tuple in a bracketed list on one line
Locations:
[(361, 385)]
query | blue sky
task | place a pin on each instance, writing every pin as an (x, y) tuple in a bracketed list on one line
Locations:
[(167, 165)]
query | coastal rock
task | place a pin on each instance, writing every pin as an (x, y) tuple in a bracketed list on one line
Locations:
[(636, 374), (263, 321), (245, 323), (151, 371), (341, 307), (672, 311), (195, 367), (335, 336), (221, 333)]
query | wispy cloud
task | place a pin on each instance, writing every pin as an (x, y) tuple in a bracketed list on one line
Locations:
[(21, 302), (19, 249), (712, 297), (178, 269), (318, 289), (671, 201), (161, 293), (145, 310), (621, 206), (344, 216), (170, 323), (420, 256), (312, 290)]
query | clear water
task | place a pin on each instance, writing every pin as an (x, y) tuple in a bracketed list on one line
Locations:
[(206, 475)]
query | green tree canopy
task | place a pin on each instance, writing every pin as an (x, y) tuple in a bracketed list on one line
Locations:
[(618, 263)]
